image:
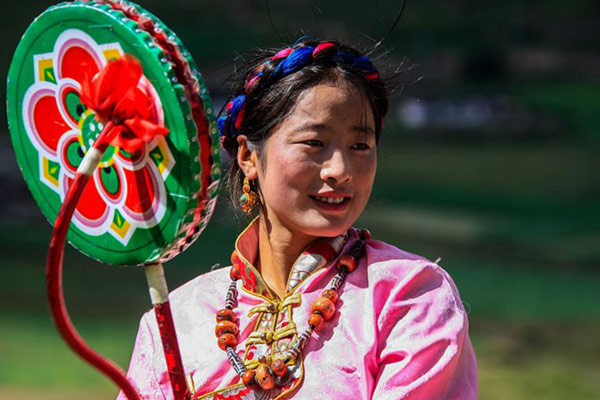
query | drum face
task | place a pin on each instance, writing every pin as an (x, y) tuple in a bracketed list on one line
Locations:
[(137, 208)]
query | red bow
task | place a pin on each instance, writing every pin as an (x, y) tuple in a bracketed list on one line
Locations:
[(113, 94)]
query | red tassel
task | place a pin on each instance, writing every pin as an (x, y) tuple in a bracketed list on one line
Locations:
[(114, 95)]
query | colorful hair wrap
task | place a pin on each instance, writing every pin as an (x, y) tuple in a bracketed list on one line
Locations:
[(286, 62)]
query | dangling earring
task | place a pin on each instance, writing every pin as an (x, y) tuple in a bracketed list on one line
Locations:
[(248, 199)]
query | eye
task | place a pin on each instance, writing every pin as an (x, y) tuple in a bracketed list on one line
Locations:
[(361, 146), (313, 143)]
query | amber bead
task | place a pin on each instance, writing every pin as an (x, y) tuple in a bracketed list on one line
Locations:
[(330, 294), (227, 339), (249, 380), (324, 306), (316, 321), (347, 261), (226, 314), (226, 327), (279, 367), (365, 234), (264, 377)]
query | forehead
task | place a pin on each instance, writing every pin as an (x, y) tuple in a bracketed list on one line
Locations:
[(340, 104)]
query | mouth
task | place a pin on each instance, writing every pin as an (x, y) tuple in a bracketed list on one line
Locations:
[(332, 203)]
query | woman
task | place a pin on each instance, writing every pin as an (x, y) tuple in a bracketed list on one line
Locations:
[(312, 308)]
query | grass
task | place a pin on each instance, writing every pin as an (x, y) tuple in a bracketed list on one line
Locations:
[(537, 360)]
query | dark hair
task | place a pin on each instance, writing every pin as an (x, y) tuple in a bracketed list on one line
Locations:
[(268, 86)]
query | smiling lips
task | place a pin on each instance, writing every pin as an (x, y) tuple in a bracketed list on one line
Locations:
[(332, 202)]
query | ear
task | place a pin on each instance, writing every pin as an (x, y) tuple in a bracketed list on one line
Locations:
[(246, 158)]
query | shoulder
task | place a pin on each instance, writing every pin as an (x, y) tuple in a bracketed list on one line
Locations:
[(378, 251), (387, 262), (396, 277), (208, 287), (409, 293), (198, 298)]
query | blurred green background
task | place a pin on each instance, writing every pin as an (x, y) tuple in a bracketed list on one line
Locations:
[(489, 160)]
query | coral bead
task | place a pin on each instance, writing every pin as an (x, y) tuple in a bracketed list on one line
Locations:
[(324, 306), (330, 294), (248, 378), (347, 261), (279, 367), (234, 273), (226, 314), (227, 340), (365, 234), (264, 377), (226, 327), (316, 321)]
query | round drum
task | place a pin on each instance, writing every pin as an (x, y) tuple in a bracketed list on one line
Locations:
[(137, 208)]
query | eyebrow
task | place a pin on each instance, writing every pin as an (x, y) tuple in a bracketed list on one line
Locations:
[(320, 126), (363, 128)]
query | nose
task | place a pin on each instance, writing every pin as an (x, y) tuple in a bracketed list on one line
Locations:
[(336, 168)]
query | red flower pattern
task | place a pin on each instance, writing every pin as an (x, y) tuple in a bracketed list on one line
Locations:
[(127, 189)]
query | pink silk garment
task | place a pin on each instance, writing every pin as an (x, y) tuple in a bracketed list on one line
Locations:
[(399, 332)]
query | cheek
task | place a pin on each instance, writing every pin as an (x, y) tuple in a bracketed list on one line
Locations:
[(365, 171), (287, 176)]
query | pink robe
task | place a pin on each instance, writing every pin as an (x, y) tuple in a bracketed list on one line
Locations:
[(400, 330)]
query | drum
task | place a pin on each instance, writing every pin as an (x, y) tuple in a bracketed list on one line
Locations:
[(138, 208), (85, 74)]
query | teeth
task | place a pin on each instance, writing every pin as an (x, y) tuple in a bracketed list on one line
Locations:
[(330, 200)]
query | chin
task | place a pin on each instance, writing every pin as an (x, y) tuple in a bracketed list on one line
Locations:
[(328, 228)]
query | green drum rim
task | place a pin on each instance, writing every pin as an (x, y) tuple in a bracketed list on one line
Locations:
[(192, 229), (169, 165)]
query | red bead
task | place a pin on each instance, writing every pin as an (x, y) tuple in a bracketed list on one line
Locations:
[(279, 367), (227, 340), (347, 261), (226, 314), (324, 306), (316, 321), (248, 378), (226, 327), (264, 377), (330, 294), (235, 272), (364, 234)]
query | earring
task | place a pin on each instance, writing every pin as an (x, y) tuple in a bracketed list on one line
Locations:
[(248, 199)]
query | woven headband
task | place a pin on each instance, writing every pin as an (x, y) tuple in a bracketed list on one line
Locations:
[(289, 60)]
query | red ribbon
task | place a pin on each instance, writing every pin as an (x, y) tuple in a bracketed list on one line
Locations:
[(114, 95)]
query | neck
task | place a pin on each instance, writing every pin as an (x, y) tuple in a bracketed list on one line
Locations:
[(278, 250)]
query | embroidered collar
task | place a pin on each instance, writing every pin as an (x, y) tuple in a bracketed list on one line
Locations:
[(317, 254)]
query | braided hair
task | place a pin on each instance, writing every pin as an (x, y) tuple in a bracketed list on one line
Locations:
[(268, 88)]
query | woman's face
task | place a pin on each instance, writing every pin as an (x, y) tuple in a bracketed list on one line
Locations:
[(318, 166)]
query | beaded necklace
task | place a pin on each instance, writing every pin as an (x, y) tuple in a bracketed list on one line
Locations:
[(267, 376)]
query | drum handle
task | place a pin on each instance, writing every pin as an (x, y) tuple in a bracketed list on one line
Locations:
[(54, 263), (159, 294)]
